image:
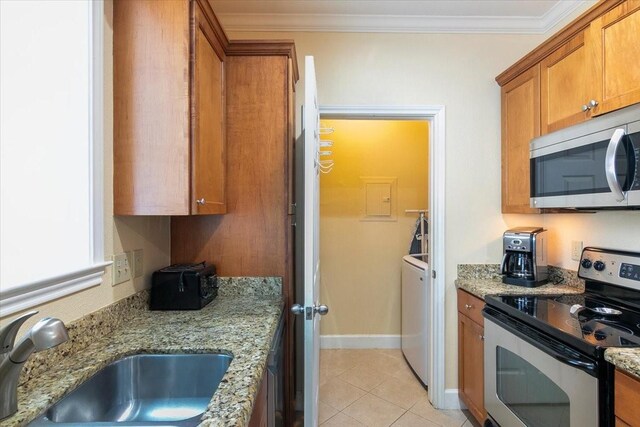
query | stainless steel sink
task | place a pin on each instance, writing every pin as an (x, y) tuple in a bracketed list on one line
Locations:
[(143, 390)]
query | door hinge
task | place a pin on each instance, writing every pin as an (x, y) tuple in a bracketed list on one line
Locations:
[(433, 274), (292, 209)]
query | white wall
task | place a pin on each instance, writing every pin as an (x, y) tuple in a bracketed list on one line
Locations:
[(121, 233)]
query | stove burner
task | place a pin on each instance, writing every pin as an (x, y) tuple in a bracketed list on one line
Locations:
[(606, 311), (614, 325), (576, 309)]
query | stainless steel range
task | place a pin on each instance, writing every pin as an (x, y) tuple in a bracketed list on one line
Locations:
[(544, 355)]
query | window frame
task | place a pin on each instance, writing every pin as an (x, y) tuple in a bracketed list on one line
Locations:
[(32, 294)]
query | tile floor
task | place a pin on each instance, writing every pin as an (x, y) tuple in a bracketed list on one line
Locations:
[(376, 388)]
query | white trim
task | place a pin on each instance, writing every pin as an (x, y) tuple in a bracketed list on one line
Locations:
[(359, 341), (96, 124), (452, 400), (23, 297), (435, 115), (386, 23)]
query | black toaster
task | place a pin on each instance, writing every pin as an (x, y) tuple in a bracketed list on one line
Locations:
[(183, 287)]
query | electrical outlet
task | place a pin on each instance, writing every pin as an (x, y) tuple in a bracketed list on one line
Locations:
[(137, 263), (576, 250), (121, 268)]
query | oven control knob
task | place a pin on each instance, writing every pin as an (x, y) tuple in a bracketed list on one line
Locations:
[(586, 263), (599, 265)]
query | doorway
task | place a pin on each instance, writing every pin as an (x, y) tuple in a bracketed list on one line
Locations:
[(380, 185), (376, 177)]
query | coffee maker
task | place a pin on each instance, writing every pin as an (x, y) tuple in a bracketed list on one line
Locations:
[(524, 262)]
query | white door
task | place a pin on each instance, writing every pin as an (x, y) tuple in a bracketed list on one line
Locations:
[(311, 251)]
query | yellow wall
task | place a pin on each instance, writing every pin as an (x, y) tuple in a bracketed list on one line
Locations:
[(151, 234), (361, 260)]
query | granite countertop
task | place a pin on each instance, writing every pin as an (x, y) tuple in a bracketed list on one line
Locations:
[(484, 279), (237, 322), (626, 359), (484, 287)]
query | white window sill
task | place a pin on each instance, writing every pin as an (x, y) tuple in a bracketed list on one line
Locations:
[(23, 297)]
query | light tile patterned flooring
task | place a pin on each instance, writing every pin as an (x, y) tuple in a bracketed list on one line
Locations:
[(376, 388)]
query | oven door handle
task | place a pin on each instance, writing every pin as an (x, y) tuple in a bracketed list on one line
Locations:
[(610, 165), (589, 366), (541, 341)]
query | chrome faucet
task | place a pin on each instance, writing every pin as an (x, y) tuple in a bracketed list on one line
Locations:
[(47, 333)]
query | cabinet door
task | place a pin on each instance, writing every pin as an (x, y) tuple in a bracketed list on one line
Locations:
[(563, 85), (259, 415), (471, 366), (614, 48), (520, 123), (627, 397), (208, 153)]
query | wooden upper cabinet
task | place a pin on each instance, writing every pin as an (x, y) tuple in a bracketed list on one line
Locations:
[(520, 123), (169, 108), (208, 154), (563, 86), (613, 43)]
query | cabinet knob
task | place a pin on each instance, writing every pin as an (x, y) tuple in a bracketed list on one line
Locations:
[(201, 202), (593, 103), (468, 306), (585, 108), (481, 337)]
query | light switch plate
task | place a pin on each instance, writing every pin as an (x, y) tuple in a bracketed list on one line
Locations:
[(576, 250), (138, 263), (121, 268)]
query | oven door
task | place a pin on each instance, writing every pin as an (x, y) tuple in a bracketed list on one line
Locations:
[(590, 171), (532, 380)]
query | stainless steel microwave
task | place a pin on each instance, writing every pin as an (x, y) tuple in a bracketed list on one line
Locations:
[(592, 165)]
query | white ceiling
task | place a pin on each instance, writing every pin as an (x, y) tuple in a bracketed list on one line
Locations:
[(420, 16)]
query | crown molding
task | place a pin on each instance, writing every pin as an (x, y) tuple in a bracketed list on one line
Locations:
[(301, 22)]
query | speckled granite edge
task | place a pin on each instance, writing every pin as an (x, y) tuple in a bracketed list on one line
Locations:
[(626, 359), (485, 279), (103, 321), (250, 286), (96, 340), (83, 331), (557, 275)]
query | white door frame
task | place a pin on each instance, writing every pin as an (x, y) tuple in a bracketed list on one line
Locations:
[(435, 115)]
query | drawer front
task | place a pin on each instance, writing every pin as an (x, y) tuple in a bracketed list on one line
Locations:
[(627, 397), (471, 306)]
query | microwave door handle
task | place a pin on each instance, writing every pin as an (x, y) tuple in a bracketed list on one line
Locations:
[(610, 165)]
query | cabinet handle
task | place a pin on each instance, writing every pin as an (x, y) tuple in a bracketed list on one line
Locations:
[(588, 106), (468, 306), (201, 202)]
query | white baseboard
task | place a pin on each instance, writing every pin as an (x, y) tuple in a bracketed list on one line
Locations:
[(451, 399), (359, 341)]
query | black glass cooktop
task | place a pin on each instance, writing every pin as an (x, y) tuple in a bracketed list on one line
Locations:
[(552, 313)]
